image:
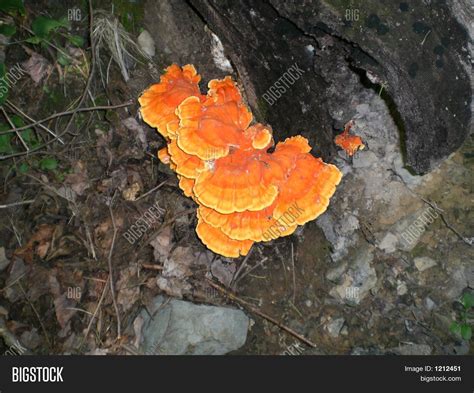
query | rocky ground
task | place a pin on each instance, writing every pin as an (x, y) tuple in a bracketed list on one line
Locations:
[(381, 272)]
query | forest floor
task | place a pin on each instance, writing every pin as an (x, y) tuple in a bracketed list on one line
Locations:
[(67, 208)]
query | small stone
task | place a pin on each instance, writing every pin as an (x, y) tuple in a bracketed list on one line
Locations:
[(402, 288), (430, 304), (388, 243), (424, 263), (335, 273), (147, 44), (334, 326), (359, 279), (308, 303)]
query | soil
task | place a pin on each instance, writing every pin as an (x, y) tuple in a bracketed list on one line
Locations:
[(60, 246)]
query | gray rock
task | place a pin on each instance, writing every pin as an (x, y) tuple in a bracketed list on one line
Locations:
[(402, 288), (146, 43), (359, 279), (364, 159), (458, 348), (424, 263), (430, 304), (336, 272), (178, 327), (334, 326), (389, 243)]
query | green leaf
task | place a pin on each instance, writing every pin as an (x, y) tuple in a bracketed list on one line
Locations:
[(17, 121), (468, 300), (466, 332), (30, 138), (455, 328), (23, 167), (76, 40), (59, 176), (63, 60), (5, 143), (48, 164), (7, 30), (3, 85), (43, 26), (33, 40), (12, 6)]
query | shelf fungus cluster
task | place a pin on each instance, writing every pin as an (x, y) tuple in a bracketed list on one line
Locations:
[(245, 193)]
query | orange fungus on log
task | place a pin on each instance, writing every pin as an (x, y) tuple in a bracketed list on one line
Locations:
[(245, 192)]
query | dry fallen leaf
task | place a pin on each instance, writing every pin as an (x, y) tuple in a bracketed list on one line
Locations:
[(133, 125), (128, 288), (162, 244), (62, 305), (130, 193), (37, 67), (38, 244), (224, 272), (78, 181)]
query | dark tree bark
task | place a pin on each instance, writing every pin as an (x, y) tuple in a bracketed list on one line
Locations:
[(417, 51)]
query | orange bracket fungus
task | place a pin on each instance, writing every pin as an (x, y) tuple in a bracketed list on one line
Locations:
[(350, 143), (245, 193)]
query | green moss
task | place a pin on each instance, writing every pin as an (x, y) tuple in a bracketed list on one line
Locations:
[(130, 13), (420, 250), (262, 109)]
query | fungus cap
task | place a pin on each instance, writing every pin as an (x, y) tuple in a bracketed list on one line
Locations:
[(159, 102), (208, 130), (238, 182), (219, 242)]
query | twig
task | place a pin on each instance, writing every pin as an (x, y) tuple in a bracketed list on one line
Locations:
[(426, 36), (67, 113), (111, 276), (448, 225), (294, 275), (28, 201), (261, 314), (465, 240), (91, 243), (13, 282), (18, 110), (81, 99), (79, 309), (36, 313), (243, 264), (151, 267), (438, 210), (16, 132), (104, 291), (247, 272), (150, 191)]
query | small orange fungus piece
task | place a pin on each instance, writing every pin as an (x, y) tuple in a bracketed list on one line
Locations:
[(350, 143)]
